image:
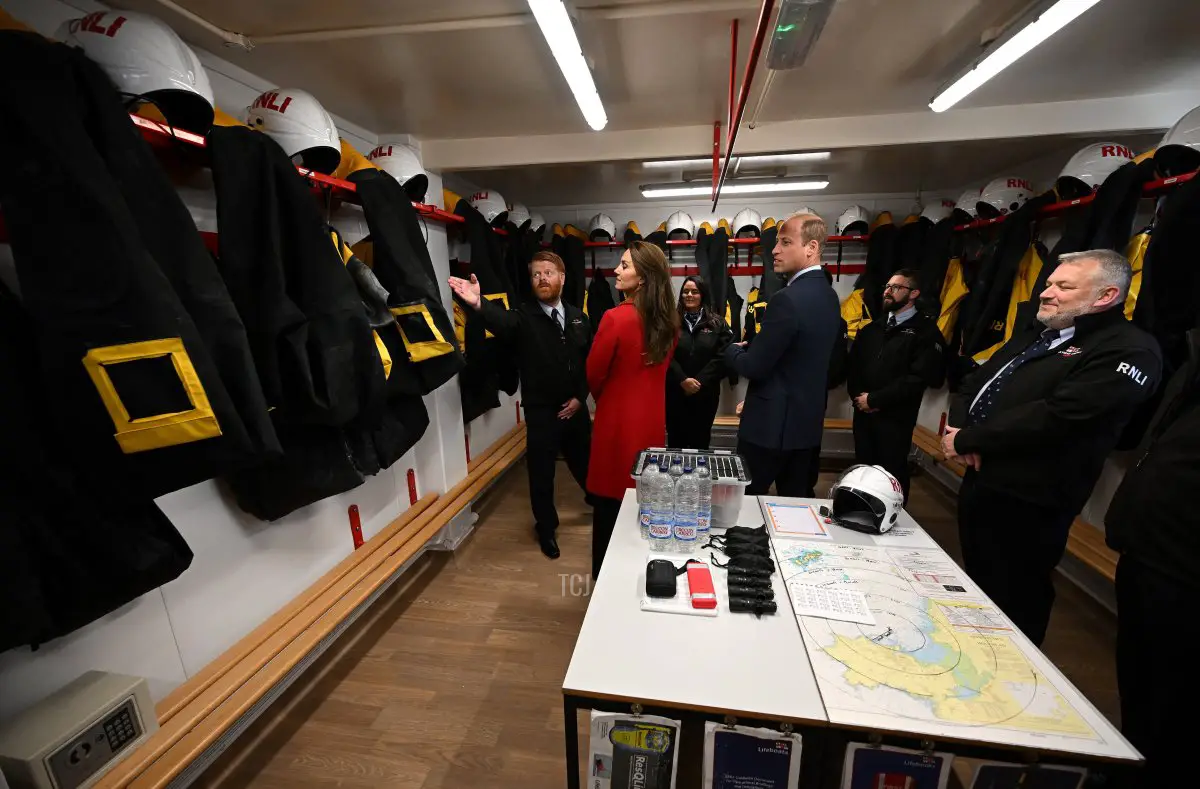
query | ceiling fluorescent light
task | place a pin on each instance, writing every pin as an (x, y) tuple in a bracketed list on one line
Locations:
[(766, 158), (809, 183), (555, 23), (1047, 24)]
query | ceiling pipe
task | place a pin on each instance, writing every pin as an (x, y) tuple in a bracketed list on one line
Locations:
[(642, 11), (760, 32), (230, 38), (762, 97)]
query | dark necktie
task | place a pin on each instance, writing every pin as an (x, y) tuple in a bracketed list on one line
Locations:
[(891, 324), (1040, 347), (554, 316)]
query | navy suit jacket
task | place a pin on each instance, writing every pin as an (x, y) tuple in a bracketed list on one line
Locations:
[(788, 366)]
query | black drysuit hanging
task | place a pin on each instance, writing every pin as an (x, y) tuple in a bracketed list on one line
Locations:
[(598, 299), (398, 255), (569, 247), (882, 262), (935, 257), (988, 321), (1167, 305), (71, 548), (109, 261), (490, 364)]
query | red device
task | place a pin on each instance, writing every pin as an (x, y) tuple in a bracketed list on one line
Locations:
[(700, 585)]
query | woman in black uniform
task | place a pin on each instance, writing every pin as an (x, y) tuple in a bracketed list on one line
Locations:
[(695, 373)]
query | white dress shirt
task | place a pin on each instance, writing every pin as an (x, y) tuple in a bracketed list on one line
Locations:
[(548, 308), (803, 271)]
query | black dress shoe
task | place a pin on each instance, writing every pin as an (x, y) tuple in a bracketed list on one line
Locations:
[(549, 545), (590, 500)]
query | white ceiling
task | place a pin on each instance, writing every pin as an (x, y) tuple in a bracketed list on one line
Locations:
[(894, 169), (875, 56)]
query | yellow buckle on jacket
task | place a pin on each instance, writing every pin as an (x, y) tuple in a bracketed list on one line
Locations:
[(162, 430), (421, 350), (500, 297)]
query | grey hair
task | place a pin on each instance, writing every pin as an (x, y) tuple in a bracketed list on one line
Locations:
[(1113, 268), (812, 228)]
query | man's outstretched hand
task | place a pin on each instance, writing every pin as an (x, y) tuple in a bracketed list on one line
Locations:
[(467, 290)]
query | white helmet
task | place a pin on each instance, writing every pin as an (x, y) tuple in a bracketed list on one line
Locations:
[(867, 498), (144, 57), (806, 209), (747, 219), (1003, 196), (491, 204), (965, 208), (519, 215), (854, 219), (938, 210), (1179, 151), (301, 126), (537, 223), (680, 221), (402, 163), (602, 226), (1088, 168)]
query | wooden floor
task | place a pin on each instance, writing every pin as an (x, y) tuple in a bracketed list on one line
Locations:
[(453, 679)]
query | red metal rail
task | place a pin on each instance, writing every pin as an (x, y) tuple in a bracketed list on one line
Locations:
[(1151, 189), (760, 32), (157, 135)]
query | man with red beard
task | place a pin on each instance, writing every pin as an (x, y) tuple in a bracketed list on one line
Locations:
[(552, 339)]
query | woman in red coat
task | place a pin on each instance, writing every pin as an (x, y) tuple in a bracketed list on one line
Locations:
[(627, 372)]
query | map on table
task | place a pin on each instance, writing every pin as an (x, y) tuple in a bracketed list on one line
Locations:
[(940, 659)]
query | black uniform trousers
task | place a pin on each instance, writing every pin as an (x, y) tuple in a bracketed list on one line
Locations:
[(547, 436), (881, 441), (690, 419), (789, 469), (1149, 604), (604, 520), (1010, 547)]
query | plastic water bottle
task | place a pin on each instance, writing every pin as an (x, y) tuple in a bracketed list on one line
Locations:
[(660, 496), (687, 501), (644, 484), (704, 510), (676, 468)]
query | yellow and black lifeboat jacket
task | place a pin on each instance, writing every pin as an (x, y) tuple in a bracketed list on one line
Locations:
[(312, 342), (73, 548), (490, 366), (398, 255), (144, 362)]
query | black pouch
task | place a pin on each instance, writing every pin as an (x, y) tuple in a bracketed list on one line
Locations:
[(750, 565), (751, 605), (758, 534), (660, 578), (750, 592), (751, 580)]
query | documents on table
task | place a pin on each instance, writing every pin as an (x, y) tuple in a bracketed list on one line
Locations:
[(795, 520), (830, 602)]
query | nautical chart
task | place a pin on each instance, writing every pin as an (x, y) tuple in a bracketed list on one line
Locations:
[(940, 656)]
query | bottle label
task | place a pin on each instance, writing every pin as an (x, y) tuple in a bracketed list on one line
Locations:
[(702, 523), (644, 516), (660, 530), (685, 532)]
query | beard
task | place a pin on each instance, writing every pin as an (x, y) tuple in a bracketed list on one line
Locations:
[(1062, 318), (547, 292), (892, 305)]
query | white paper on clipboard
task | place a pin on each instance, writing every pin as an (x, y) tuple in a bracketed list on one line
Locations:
[(796, 520)]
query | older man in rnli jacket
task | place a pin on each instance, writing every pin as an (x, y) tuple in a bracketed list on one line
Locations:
[(1035, 423)]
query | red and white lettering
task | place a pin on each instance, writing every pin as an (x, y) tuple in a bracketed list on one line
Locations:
[(480, 196), (382, 150), (283, 107), (1019, 183)]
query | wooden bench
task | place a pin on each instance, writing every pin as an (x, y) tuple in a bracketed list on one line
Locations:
[(830, 424), (206, 707)]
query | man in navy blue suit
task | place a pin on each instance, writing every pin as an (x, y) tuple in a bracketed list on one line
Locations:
[(787, 366)]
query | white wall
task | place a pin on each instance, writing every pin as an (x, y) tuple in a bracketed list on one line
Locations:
[(244, 570)]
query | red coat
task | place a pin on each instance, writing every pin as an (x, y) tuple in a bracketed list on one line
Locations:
[(630, 401)]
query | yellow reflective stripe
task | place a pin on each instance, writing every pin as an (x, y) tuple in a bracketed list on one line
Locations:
[(954, 290), (1136, 253), (503, 298), (855, 313), (343, 250), (385, 356), (728, 315), (163, 430), (426, 349), (460, 327)]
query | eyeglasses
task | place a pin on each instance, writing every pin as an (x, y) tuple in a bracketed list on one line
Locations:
[(888, 288)]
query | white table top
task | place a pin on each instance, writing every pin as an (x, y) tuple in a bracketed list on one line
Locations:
[(733, 663)]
